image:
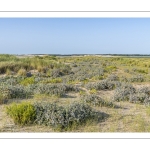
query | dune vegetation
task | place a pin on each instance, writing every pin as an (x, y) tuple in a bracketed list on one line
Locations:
[(74, 93)]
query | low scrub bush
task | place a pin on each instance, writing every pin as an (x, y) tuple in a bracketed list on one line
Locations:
[(110, 68), (102, 85), (128, 92), (79, 112), (147, 101), (18, 91), (55, 89), (145, 71), (113, 77), (145, 90), (123, 92), (22, 114), (126, 70), (138, 98), (93, 91), (56, 73), (137, 78), (124, 79), (63, 117), (95, 100), (49, 114), (9, 81)]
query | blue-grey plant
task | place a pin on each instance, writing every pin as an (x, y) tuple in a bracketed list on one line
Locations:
[(96, 100), (123, 92), (58, 116)]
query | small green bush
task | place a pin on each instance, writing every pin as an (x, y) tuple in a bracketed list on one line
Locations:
[(22, 114), (27, 81), (93, 91), (110, 68)]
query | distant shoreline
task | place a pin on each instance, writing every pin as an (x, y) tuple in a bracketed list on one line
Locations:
[(84, 54), (81, 55)]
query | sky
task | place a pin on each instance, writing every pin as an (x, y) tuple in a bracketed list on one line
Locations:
[(74, 35)]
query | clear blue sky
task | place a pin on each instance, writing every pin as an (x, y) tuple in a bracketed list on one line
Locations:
[(75, 35)]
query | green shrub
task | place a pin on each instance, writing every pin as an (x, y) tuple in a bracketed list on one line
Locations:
[(48, 72), (22, 114), (145, 71), (93, 91), (27, 81), (110, 68), (81, 92)]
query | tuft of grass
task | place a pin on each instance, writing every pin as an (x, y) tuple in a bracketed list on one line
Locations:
[(22, 72), (8, 72)]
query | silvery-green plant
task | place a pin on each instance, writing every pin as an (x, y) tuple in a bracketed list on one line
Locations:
[(101, 85), (123, 92), (58, 116), (96, 100)]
